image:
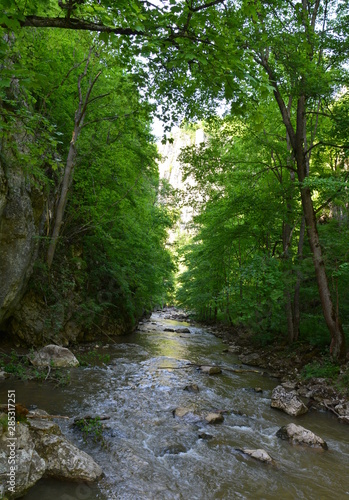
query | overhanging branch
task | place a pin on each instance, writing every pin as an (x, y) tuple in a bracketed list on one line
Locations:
[(73, 24)]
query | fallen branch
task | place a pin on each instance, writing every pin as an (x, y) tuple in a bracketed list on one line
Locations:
[(331, 409)]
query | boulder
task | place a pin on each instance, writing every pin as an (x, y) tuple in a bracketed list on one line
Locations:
[(297, 434), (288, 402), (210, 370), (41, 449), (54, 355), (214, 418), (183, 330), (30, 466), (258, 454), (63, 459), (169, 330)]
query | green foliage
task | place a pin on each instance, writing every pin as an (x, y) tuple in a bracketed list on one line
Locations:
[(325, 368), (91, 428), (15, 364), (19, 366), (111, 263), (343, 381)]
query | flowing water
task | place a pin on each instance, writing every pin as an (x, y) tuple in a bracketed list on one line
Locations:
[(150, 454)]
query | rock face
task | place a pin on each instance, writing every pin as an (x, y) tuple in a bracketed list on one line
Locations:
[(287, 402), (297, 434), (21, 216), (54, 355), (42, 449), (259, 454)]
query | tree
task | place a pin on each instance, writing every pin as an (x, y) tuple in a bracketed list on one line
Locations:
[(297, 53)]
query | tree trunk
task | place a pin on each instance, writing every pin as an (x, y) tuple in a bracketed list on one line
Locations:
[(337, 348), (68, 174), (69, 168)]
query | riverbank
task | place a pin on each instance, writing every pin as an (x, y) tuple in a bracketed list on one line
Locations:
[(301, 368)]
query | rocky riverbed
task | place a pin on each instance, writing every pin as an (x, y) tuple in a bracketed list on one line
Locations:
[(286, 363), (182, 416)]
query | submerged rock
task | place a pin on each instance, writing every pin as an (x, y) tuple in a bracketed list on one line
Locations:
[(214, 418), (183, 330), (169, 330), (287, 402), (205, 436), (54, 355), (191, 388), (172, 449), (258, 454), (210, 370), (181, 412), (297, 434)]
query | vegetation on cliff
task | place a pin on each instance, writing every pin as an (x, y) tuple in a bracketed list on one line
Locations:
[(110, 263)]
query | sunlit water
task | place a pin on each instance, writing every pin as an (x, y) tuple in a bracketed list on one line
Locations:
[(150, 454)]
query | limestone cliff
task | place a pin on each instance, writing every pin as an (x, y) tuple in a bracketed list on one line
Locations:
[(170, 167), (21, 216)]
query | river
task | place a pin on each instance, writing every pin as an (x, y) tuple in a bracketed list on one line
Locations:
[(147, 453)]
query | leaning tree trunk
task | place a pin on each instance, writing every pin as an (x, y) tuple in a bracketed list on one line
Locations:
[(68, 175), (334, 325), (69, 167)]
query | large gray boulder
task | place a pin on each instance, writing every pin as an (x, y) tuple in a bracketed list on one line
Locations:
[(41, 448), (55, 356), (63, 459), (296, 434), (287, 401), (30, 466)]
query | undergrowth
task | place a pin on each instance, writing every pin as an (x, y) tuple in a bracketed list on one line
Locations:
[(19, 366)]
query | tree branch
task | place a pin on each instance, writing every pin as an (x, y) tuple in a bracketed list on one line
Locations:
[(73, 24), (330, 144), (206, 6)]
